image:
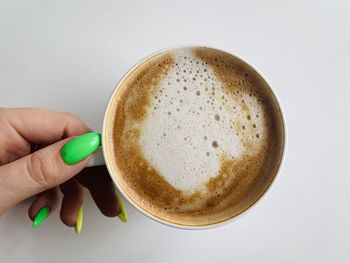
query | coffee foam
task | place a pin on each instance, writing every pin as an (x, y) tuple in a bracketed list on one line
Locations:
[(193, 123), (191, 136)]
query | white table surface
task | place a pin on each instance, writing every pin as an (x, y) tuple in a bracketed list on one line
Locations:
[(68, 55)]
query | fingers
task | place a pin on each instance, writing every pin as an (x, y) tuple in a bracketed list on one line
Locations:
[(101, 188), (35, 173), (48, 198), (72, 201), (44, 126)]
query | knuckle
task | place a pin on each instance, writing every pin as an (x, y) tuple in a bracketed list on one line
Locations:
[(74, 125), (38, 170), (72, 116)]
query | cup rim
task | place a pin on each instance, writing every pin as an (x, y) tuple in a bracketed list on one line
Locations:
[(160, 220)]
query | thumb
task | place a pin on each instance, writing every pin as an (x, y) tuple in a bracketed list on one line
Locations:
[(45, 168)]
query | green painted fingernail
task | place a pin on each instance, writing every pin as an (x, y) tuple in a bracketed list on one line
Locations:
[(80, 147), (122, 215), (41, 216)]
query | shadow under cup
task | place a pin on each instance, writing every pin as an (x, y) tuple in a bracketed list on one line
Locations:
[(231, 95)]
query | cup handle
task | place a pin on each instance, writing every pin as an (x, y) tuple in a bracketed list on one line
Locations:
[(96, 158)]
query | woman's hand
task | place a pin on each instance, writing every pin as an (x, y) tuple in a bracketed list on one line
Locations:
[(30, 163)]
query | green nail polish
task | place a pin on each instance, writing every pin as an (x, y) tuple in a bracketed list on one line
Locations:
[(80, 147), (40, 216)]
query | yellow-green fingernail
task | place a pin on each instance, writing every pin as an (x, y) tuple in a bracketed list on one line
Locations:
[(122, 215), (41, 216), (79, 220)]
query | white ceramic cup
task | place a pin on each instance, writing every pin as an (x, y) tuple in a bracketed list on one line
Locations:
[(100, 157)]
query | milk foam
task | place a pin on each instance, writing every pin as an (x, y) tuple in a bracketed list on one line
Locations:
[(193, 123)]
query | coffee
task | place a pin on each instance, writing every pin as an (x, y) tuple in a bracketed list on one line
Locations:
[(195, 136)]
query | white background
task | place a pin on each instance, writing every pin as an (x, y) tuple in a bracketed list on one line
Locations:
[(68, 55)]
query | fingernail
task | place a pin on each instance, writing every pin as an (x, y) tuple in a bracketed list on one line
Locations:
[(122, 215), (80, 147), (40, 216), (79, 220)]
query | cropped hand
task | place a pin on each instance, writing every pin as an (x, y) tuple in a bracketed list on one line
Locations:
[(31, 164)]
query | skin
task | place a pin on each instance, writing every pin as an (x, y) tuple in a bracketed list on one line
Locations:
[(31, 165)]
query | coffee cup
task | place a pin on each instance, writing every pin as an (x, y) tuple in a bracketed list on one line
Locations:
[(192, 137)]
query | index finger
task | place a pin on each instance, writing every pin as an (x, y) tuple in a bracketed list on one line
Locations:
[(43, 126)]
